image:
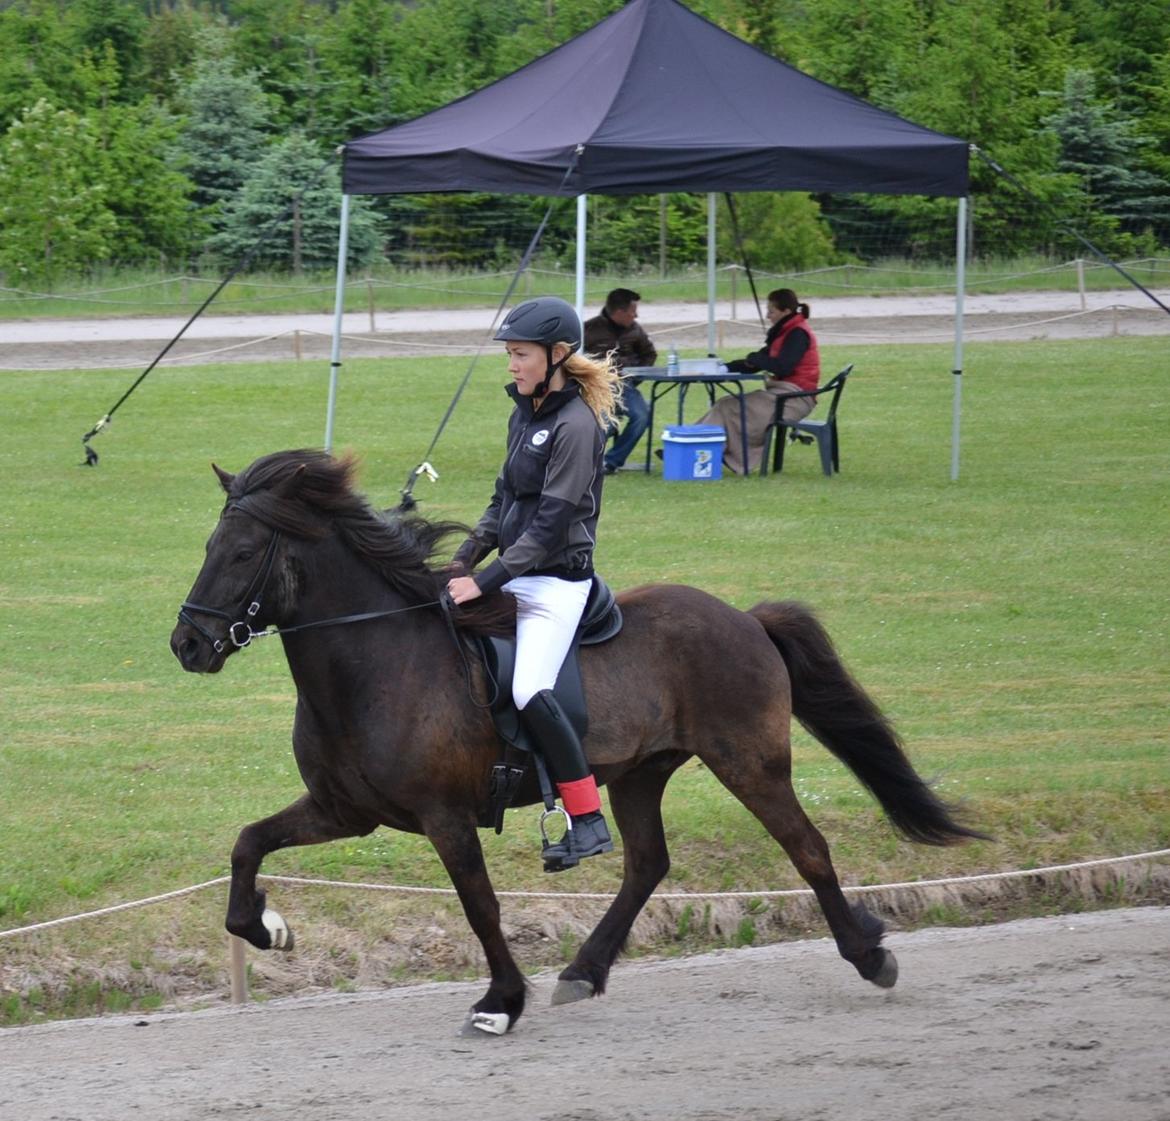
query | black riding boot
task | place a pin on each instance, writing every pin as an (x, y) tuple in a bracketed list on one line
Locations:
[(557, 740)]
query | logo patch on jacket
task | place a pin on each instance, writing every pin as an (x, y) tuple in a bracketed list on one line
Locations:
[(539, 438)]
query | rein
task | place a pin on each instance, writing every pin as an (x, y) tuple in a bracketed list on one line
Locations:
[(240, 632)]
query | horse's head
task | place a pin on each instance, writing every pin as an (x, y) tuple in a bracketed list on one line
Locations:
[(263, 564), (242, 586)]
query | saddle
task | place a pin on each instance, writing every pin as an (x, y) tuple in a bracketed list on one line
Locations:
[(600, 621)]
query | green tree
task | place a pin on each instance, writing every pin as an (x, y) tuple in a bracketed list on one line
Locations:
[(281, 39), (359, 52), (224, 132), (1157, 121), (53, 214), (976, 73), (781, 232), (120, 24), (148, 196), (869, 47), (170, 46), (37, 60), (1123, 40), (1103, 149), (288, 211)]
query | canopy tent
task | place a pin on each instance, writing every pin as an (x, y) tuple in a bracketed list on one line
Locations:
[(652, 99)]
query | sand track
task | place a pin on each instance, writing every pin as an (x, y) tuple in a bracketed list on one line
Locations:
[(1063, 1018)]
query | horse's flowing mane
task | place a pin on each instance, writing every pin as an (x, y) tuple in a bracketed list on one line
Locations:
[(308, 494)]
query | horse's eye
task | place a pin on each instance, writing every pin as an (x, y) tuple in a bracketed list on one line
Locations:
[(244, 554)]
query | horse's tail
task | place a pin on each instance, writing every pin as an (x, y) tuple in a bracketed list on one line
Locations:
[(834, 708)]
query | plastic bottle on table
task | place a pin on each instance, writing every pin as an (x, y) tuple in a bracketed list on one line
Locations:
[(672, 362)]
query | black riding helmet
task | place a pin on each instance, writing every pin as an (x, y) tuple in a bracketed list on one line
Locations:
[(546, 320)]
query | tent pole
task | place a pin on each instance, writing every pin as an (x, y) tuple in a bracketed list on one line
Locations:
[(582, 201), (711, 197), (957, 367), (338, 311)]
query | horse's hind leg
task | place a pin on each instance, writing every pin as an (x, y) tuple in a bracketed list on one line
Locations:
[(457, 844), (766, 790), (636, 800), (302, 823)]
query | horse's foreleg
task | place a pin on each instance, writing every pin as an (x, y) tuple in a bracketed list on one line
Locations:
[(457, 844), (857, 932), (636, 800), (302, 823)]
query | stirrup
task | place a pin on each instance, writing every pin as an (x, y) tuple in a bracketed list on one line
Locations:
[(545, 843), (571, 849)]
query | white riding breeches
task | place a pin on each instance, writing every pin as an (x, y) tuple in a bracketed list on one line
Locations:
[(548, 610)]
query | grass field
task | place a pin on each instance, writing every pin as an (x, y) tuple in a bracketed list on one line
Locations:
[(1014, 624)]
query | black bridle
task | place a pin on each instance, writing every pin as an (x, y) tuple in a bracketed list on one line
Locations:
[(240, 632)]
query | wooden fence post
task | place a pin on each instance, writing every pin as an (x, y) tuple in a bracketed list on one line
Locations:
[(238, 970)]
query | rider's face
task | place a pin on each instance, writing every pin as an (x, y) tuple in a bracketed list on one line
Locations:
[(528, 363)]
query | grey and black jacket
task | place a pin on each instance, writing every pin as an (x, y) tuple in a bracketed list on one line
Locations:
[(543, 515)]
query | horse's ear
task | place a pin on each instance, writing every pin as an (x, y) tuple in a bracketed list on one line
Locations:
[(286, 488), (225, 480)]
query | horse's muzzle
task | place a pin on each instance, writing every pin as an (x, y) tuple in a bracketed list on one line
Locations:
[(195, 653)]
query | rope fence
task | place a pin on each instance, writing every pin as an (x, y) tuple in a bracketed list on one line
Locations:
[(404, 889), (1108, 315), (237, 947)]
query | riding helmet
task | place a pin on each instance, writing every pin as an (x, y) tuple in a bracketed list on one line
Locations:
[(547, 320)]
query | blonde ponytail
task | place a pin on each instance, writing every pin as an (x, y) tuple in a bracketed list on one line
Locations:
[(600, 384)]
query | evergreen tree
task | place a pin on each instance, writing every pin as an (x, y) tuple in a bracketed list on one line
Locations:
[(53, 214), (306, 228), (1103, 149), (224, 130), (1157, 120)]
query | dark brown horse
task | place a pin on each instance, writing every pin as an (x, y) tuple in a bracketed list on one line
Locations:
[(387, 732)]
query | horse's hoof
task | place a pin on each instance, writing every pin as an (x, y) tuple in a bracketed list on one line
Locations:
[(279, 934), (887, 976), (568, 991), (485, 1023)]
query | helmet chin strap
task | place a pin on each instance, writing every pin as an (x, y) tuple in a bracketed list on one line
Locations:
[(542, 389)]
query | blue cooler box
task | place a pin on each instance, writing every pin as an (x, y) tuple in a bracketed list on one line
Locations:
[(692, 453)]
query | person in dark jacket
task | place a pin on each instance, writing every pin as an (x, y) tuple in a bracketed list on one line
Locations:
[(542, 521), (790, 359), (617, 331)]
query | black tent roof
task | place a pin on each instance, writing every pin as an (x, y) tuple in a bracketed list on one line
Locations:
[(655, 98)]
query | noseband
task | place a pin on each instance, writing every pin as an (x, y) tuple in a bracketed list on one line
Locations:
[(240, 631)]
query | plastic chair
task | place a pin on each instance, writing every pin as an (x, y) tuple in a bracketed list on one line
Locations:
[(823, 431)]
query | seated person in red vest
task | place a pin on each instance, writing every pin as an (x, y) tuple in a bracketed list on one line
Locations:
[(792, 363)]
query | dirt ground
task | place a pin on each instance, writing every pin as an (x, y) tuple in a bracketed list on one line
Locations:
[(1058, 1018)]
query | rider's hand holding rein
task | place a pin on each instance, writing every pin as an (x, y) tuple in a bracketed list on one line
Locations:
[(462, 589)]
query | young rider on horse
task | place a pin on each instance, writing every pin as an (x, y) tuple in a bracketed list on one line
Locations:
[(543, 520)]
